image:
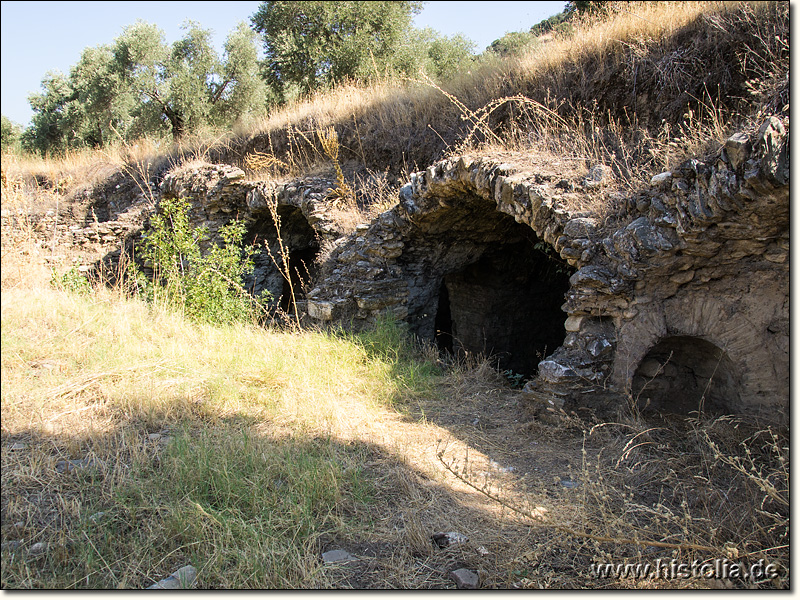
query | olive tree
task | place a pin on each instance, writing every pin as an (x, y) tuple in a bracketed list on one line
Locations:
[(142, 86), (314, 44), (9, 134)]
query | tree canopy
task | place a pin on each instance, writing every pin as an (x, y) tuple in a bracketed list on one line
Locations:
[(9, 133), (140, 86), (311, 45), (315, 44)]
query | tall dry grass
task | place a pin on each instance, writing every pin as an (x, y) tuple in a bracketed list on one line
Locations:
[(646, 86), (643, 85)]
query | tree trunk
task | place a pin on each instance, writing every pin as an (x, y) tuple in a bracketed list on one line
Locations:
[(177, 122)]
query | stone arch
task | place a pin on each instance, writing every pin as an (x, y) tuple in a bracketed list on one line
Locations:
[(301, 242), (682, 374), (699, 315), (482, 283)]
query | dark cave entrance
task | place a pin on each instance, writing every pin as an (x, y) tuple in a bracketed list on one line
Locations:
[(683, 374), (507, 305), (301, 245), (301, 269), (443, 324)]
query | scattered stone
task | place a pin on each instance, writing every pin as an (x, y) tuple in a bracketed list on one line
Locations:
[(19, 524), (447, 539), (37, 549), (476, 421), (482, 551), (569, 484), (465, 579), (181, 579), (660, 178), (737, 148), (67, 466), (598, 175), (552, 372), (11, 545), (161, 438), (336, 556), (96, 517), (599, 348), (17, 446)]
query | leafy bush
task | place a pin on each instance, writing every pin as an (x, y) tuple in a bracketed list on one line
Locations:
[(9, 134), (72, 281), (206, 287)]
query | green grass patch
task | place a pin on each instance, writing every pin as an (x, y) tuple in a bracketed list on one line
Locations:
[(250, 470)]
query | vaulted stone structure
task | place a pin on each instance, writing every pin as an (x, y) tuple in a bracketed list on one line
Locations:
[(695, 280), (676, 300), (219, 193)]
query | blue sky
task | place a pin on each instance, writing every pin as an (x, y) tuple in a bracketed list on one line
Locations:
[(41, 36)]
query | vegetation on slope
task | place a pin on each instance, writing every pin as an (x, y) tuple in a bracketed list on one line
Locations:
[(628, 89), (135, 441), (637, 87), (248, 451)]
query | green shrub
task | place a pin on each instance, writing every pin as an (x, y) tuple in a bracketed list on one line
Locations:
[(72, 281), (205, 287)]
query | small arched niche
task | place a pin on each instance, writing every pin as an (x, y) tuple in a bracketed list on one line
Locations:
[(300, 249), (685, 374)]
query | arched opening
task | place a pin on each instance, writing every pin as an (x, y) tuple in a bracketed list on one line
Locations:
[(479, 282), (301, 246), (684, 374), (507, 304), (443, 324), (301, 269)]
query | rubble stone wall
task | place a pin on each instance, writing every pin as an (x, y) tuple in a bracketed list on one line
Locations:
[(703, 256), (691, 286)]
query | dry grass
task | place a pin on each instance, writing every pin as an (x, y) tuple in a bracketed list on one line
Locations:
[(644, 88), (608, 88), (196, 429), (248, 452), (92, 377)]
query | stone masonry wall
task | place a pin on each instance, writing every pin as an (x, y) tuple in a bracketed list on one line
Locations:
[(691, 286), (704, 256)]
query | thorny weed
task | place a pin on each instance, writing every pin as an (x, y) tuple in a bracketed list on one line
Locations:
[(329, 140), (696, 490), (262, 162)]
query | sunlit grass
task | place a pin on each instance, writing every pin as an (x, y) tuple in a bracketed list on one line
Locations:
[(260, 461)]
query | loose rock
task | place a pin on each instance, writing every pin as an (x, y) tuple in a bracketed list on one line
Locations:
[(465, 579), (336, 556), (10, 545), (182, 579), (67, 466), (447, 539)]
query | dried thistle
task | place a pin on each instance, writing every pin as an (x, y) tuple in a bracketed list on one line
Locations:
[(257, 161), (330, 144)]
